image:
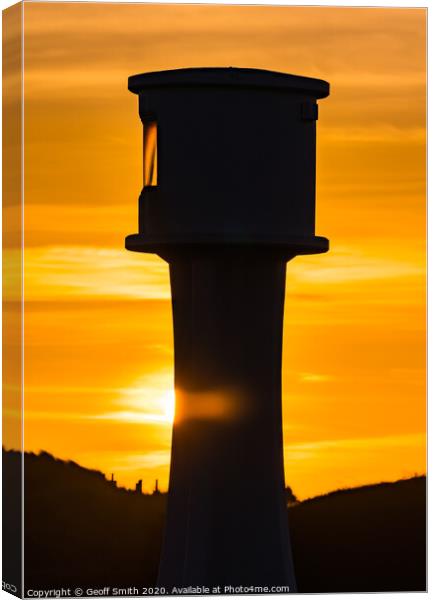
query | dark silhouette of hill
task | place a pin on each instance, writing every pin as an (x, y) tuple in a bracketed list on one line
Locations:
[(11, 521), (82, 531), (371, 538)]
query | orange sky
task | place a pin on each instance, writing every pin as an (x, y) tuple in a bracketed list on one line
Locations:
[(98, 333)]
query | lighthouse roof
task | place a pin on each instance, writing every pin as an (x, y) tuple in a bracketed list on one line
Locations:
[(229, 77)]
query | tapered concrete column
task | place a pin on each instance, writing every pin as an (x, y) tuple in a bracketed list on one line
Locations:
[(227, 517)]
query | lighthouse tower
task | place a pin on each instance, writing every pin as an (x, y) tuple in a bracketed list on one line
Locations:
[(228, 199)]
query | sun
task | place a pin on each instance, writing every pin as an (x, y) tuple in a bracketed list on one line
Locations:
[(149, 399), (145, 405)]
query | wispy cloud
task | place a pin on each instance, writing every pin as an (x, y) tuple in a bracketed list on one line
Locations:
[(315, 377), (370, 443), (77, 271), (348, 265)]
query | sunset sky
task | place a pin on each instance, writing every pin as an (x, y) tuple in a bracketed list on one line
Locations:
[(98, 330)]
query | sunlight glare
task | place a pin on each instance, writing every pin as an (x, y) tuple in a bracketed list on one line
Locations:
[(150, 400)]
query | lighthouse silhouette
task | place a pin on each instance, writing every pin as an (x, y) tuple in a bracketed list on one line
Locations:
[(228, 199)]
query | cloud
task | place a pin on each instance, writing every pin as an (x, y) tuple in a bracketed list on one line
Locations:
[(83, 272), (67, 272), (374, 58), (370, 442), (315, 377), (346, 265)]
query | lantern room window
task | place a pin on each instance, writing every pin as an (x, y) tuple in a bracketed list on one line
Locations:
[(150, 154)]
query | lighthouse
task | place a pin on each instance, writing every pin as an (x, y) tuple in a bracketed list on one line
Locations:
[(228, 198)]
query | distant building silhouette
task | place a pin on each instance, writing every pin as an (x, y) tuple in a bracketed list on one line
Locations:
[(139, 486), (113, 481), (156, 491), (290, 497)]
